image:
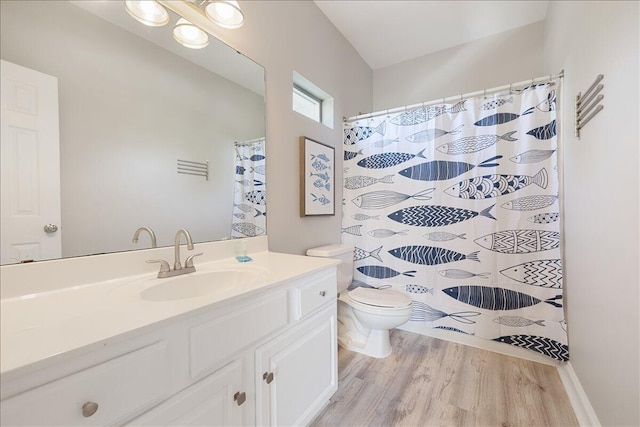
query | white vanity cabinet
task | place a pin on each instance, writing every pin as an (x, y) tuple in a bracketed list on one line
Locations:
[(204, 368)]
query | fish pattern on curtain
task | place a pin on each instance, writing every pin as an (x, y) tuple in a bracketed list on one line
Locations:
[(457, 206), (250, 197)]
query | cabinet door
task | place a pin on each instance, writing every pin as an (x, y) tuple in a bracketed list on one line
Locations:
[(216, 400), (304, 367)]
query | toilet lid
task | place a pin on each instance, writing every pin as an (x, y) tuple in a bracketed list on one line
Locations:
[(379, 297)]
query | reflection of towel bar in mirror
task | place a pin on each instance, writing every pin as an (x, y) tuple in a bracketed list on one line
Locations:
[(188, 167)]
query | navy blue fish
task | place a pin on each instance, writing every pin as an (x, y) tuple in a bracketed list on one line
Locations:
[(348, 155), (240, 170), (435, 215), (380, 272), (258, 197), (449, 328), (544, 132), (489, 298), (358, 133), (440, 170), (543, 345), (385, 160), (256, 158), (430, 255), (501, 118)]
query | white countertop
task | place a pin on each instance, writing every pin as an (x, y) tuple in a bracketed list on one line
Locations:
[(42, 325)]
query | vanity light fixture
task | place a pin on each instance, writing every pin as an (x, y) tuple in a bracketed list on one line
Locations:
[(190, 35), (225, 13), (148, 12)]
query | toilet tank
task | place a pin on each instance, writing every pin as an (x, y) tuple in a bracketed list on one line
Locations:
[(343, 253)]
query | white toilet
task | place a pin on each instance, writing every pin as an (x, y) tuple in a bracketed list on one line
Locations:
[(365, 315)]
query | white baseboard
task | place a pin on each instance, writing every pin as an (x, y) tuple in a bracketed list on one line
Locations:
[(579, 401)]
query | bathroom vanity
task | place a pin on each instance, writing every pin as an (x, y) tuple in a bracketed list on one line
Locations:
[(253, 344)]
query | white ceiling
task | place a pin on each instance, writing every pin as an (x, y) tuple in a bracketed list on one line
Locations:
[(386, 32)]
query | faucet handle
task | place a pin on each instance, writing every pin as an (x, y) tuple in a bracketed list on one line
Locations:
[(189, 261), (164, 265)]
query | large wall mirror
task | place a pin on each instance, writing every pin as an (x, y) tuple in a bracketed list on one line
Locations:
[(131, 103)]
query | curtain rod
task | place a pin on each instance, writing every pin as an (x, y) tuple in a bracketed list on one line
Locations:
[(484, 92)]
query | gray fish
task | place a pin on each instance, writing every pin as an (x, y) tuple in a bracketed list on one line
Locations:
[(443, 236), (358, 133), (430, 255), (424, 312), (517, 321), (454, 273), (321, 175), (354, 230), (473, 144), (431, 134), (384, 142), (258, 197), (361, 181), (423, 114), (381, 233), (417, 289), (530, 203), (520, 241), (532, 156), (489, 186), (360, 254), (258, 169), (492, 105), (548, 104), (563, 325), (384, 198), (244, 207), (321, 156), (248, 229), (239, 215), (348, 155), (363, 217), (449, 328), (322, 199), (544, 218), (319, 166)]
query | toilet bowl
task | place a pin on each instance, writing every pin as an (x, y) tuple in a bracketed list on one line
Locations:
[(365, 315)]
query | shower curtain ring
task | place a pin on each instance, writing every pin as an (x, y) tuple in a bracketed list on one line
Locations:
[(484, 94), (510, 88)]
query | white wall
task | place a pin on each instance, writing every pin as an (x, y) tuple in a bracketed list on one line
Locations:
[(285, 36), (128, 110), (497, 60), (601, 200)]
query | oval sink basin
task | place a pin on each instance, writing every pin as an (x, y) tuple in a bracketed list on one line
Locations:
[(199, 284)]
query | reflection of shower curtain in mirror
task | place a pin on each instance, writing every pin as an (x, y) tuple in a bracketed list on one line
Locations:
[(250, 197)]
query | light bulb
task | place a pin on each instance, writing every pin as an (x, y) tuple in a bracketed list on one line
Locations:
[(148, 12), (225, 13), (189, 35)]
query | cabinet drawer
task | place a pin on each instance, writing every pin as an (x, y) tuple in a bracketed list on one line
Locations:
[(213, 341), (120, 387), (316, 292)]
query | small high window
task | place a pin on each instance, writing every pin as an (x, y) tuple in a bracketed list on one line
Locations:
[(311, 101)]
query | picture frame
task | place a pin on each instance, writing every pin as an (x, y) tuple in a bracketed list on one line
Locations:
[(317, 178)]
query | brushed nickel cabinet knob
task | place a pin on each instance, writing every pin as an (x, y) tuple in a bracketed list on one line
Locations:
[(89, 408), (240, 398)]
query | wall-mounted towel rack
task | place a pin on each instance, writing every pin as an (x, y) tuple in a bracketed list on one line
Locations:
[(188, 167), (585, 103)]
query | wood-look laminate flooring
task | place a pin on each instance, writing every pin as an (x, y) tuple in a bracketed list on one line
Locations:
[(431, 382)]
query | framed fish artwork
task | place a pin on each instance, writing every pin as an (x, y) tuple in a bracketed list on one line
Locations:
[(317, 178)]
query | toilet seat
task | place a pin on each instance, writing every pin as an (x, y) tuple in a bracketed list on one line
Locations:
[(379, 298)]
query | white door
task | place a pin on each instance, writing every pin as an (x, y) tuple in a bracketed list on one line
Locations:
[(30, 156)]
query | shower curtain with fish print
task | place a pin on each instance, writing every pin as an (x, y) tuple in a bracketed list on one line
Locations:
[(250, 197), (457, 206)]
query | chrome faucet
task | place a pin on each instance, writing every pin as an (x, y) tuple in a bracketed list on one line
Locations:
[(165, 270), (154, 243)]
